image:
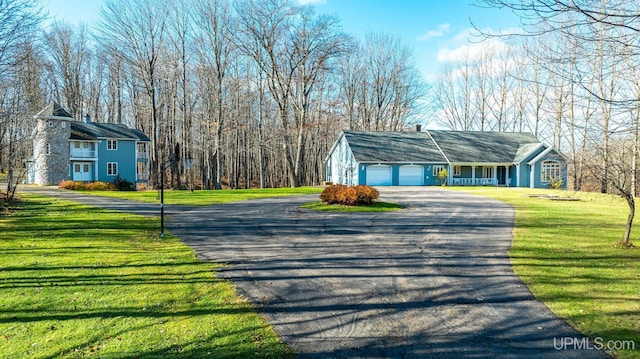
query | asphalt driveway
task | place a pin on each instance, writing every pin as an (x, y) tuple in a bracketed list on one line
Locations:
[(430, 281)]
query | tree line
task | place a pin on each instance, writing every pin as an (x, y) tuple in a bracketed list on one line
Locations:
[(254, 91), (570, 76)]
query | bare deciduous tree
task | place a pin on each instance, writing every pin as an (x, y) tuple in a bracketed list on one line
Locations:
[(135, 31)]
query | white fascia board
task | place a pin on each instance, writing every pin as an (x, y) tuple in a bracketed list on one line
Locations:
[(438, 147), (335, 144), (118, 138), (482, 164), (402, 162), (54, 118), (540, 156), (539, 146)]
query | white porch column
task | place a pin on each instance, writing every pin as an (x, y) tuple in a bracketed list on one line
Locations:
[(495, 175), (507, 179), (532, 177), (473, 175), (518, 175)]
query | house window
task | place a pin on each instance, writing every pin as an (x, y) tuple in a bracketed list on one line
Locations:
[(48, 149), (487, 172), (457, 170), (437, 170), (63, 124), (76, 168), (50, 123), (112, 168), (550, 170), (112, 144)]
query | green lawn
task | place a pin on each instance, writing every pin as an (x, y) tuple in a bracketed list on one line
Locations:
[(207, 197), (77, 281), (568, 254), (375, 207)]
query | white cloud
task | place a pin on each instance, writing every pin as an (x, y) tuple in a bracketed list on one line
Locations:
[(312, 2), (439, 31), (464, 46)]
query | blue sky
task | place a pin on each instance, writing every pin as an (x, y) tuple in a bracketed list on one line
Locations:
[(437, 30)]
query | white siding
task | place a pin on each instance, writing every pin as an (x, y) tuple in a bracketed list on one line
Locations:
[(342, 167)]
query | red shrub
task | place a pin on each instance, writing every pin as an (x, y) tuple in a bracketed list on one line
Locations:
[(101, 186), (90, 186), (366, 194), (73, 185), (349, 196), (329, 194)]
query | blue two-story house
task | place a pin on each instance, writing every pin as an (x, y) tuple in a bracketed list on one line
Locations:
[(380, 158), (67, 149)]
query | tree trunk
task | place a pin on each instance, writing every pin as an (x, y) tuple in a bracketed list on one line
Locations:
[(632, 211)]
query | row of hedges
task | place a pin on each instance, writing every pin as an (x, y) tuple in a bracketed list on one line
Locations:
[(349, 195), (87, 186), (118, 184)]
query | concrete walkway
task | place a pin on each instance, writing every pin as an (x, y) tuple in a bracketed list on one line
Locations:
[(430, 281)]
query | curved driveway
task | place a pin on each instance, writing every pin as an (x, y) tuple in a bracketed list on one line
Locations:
[(430, 281)]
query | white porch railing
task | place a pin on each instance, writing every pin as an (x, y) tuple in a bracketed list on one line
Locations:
[(82, 153), (475, 181)]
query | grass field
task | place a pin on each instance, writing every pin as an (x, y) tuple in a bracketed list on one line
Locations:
[(375, 207), (77, 282), (568, 254), (206, 197)]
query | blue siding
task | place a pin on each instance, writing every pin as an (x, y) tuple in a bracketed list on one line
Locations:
[(512, 176), (538, 171), (429, 178), (525, 169), (124, 156)]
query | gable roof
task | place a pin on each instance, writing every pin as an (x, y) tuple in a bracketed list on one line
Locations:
[(488, 147), (53, 111), (94, 130), (440, 146), (378, 146)]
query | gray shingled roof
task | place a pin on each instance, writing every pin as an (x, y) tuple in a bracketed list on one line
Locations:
[(94, 130), (492, 147), (524, 151), (53, 110), (371, 146)]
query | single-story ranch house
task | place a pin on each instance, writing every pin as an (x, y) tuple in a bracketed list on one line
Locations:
[(378, 158), (67, 149)]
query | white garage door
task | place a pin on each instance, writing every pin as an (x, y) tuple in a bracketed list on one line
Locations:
[(411, 175), (379, 175)]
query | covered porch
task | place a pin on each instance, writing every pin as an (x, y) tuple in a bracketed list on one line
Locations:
[(476, 174)]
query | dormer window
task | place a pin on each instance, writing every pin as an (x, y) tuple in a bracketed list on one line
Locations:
[(112, 145)]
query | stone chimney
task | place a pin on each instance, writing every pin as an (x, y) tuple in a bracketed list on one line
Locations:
[(418, 127)]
